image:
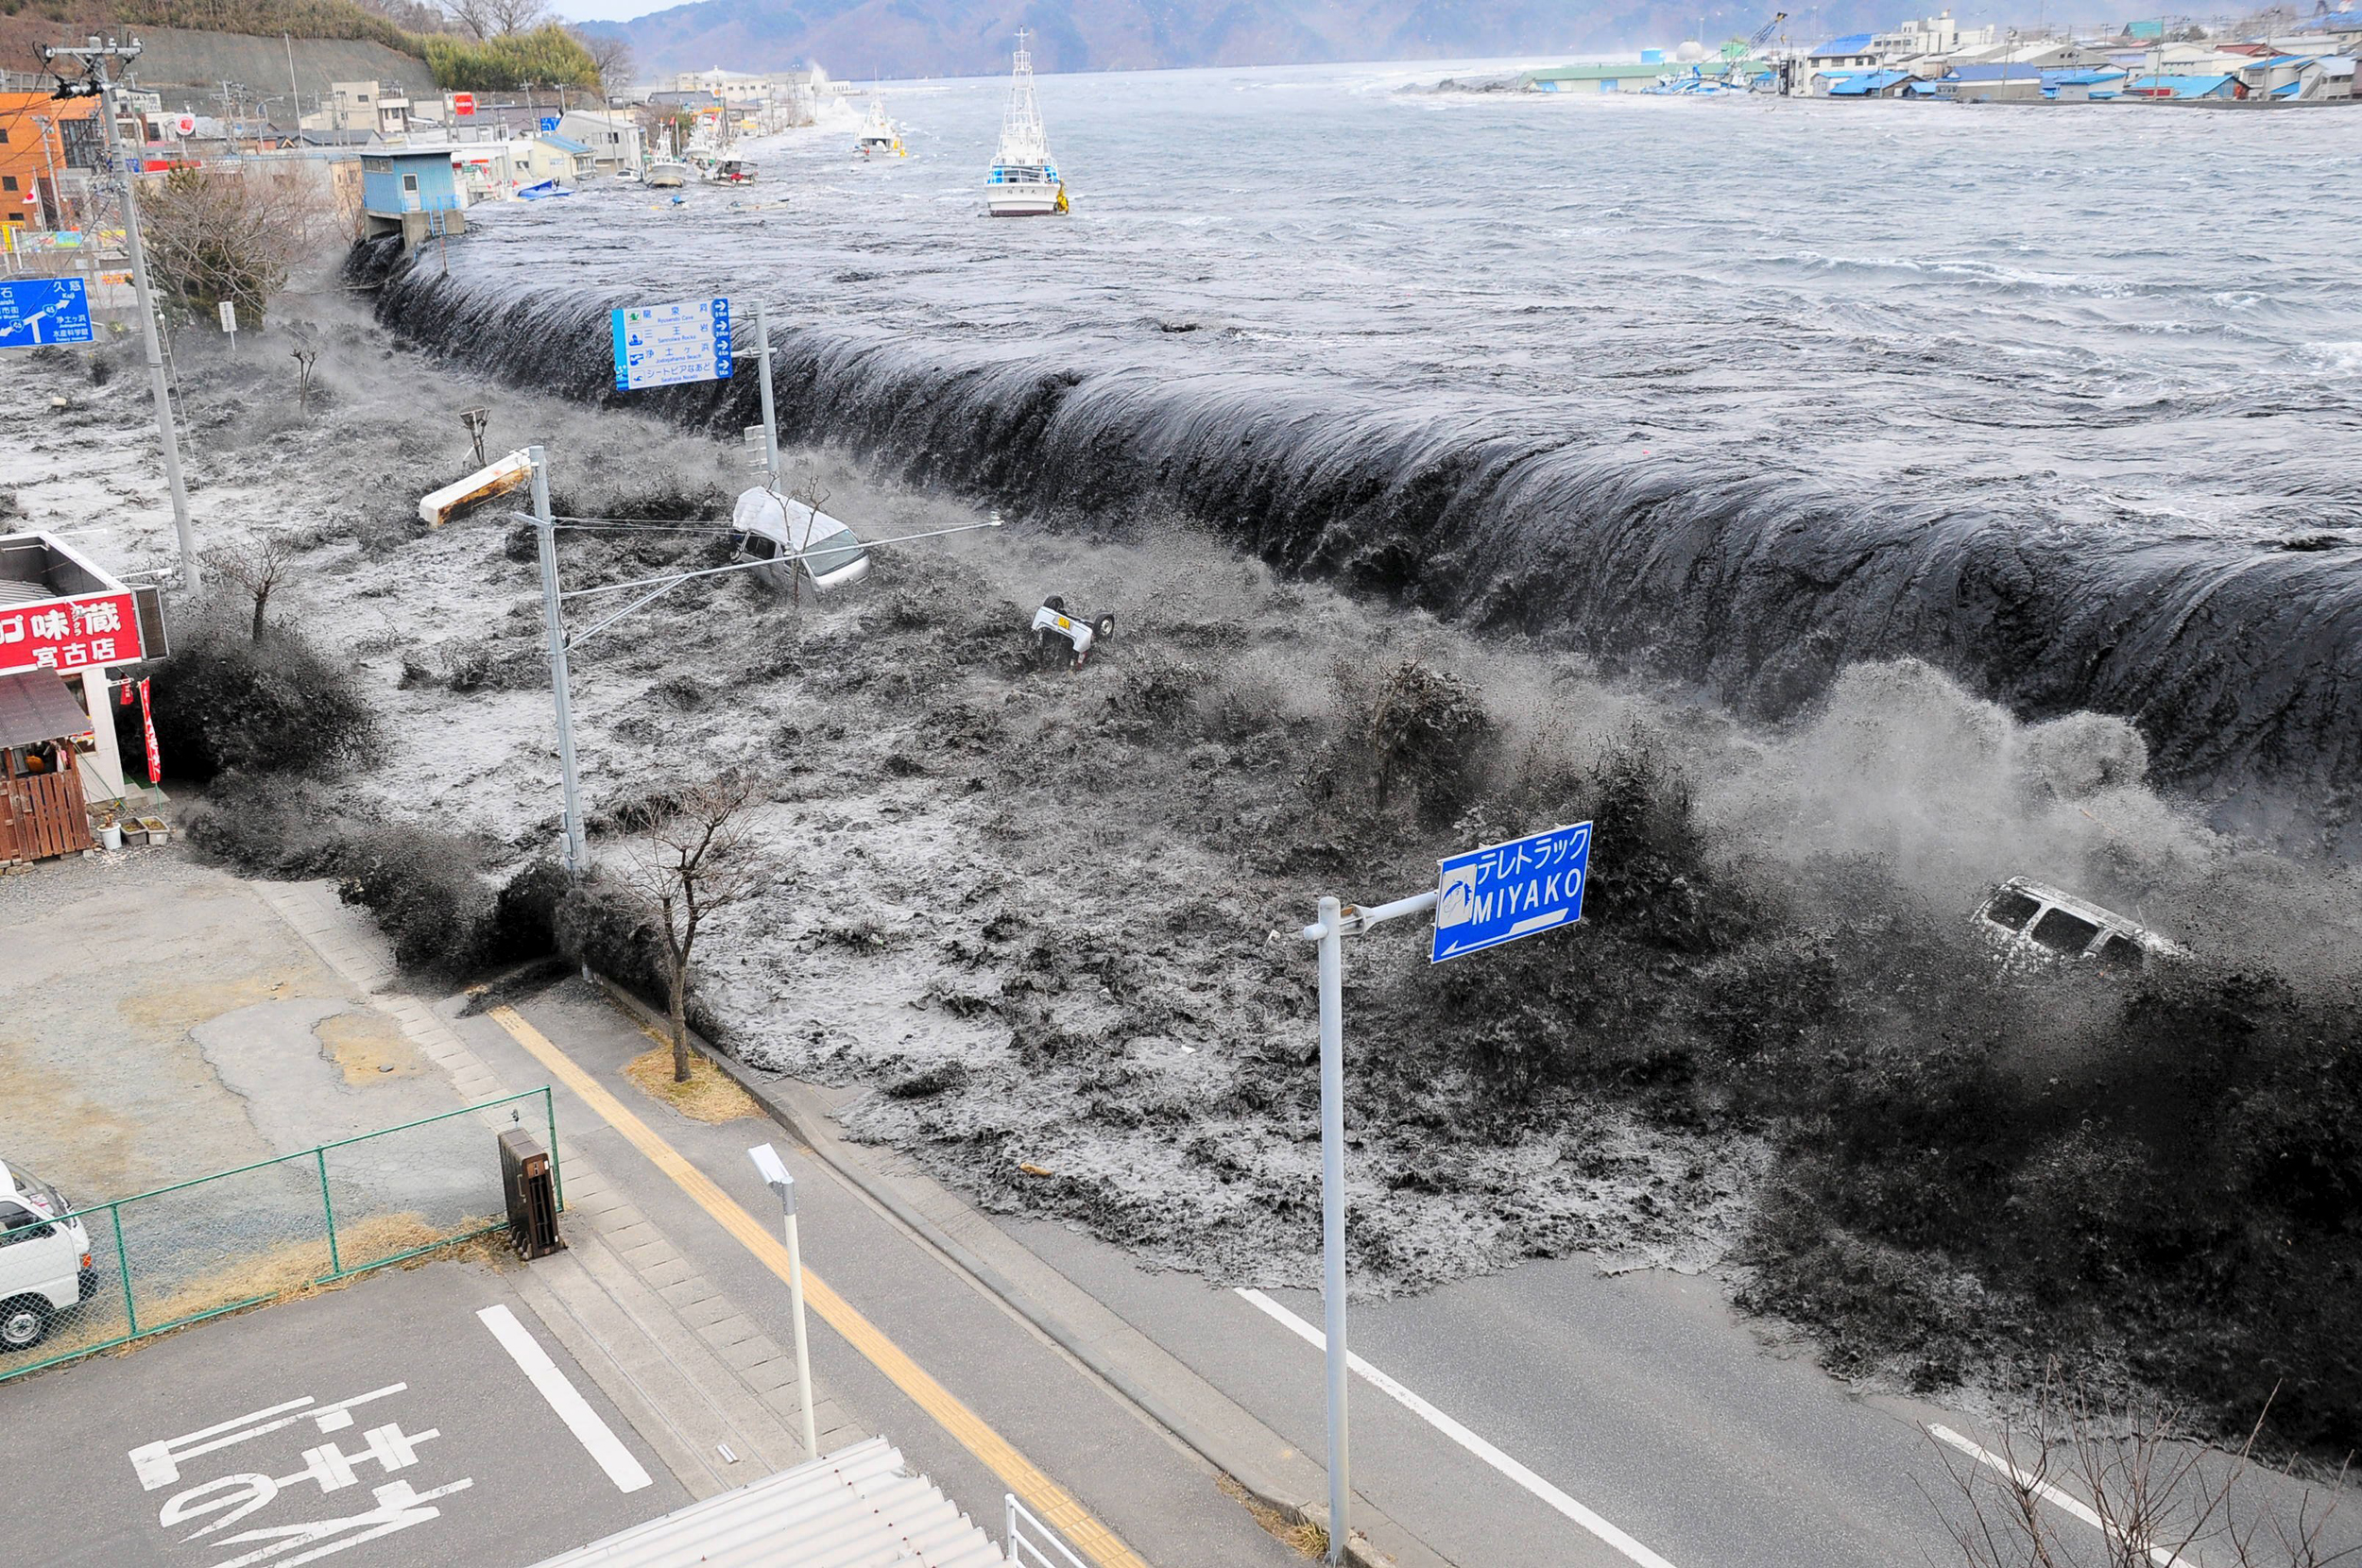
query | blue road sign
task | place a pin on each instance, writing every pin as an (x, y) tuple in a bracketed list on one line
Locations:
[(34, 311), (549, 122), (1496, 895), (667, 345)]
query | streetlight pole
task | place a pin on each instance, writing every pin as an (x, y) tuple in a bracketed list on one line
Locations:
[(95, 56), (774, 1175)]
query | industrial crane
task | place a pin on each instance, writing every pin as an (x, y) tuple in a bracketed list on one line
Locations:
[(1736, 54)]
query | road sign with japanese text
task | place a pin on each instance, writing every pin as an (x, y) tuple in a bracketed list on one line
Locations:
[(34, 311), (667, 345), (1506, 891)]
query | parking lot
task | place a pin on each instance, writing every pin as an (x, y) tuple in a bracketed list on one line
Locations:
[(412, 1417)]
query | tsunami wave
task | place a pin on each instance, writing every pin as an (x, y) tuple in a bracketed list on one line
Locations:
[(2239, 658)]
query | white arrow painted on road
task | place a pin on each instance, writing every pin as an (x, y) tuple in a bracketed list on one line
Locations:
[(1460, 1434)]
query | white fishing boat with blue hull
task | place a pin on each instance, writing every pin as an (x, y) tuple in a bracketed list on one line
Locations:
[(1024, 183)]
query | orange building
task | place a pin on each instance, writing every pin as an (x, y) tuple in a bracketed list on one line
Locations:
[(35, 131)]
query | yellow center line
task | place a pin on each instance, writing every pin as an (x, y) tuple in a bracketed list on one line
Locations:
[(1048, 1499)]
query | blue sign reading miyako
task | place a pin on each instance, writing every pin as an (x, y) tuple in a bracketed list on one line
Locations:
[(1499, 894)]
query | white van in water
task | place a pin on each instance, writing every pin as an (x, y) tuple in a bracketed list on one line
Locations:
[(2025, 917), (771, 529), (45, 1262)]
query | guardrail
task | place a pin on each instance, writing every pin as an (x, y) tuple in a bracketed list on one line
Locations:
[(1035, 1544), (198, 1248)]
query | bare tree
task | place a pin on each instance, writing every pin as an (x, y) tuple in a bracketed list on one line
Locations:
[(484, 19), (697, 861), (257, 567), (611, 54), (233, 233), (2078, 1480), (814, 495)]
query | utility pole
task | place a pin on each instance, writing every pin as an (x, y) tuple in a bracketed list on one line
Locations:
[(553, 615), (94, 57), (770, 419)]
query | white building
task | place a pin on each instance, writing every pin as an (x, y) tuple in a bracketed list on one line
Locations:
[(382, 108), (1930, 35), (731, 87), (616, 142)]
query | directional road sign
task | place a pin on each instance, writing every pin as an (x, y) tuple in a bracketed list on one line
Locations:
[(1496, 895), (34, 311), (667, 345)]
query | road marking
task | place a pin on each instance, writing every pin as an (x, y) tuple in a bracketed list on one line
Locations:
[(1035, 1489), (2161, 1557), (594, 1434), (1460, 1434)]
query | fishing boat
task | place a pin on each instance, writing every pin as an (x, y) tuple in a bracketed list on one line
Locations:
[(879, 139), (1024, 181), (669, 176)]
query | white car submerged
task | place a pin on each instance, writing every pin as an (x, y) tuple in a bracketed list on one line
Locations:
[(2028, 918), (777, 530), (44, 1259)]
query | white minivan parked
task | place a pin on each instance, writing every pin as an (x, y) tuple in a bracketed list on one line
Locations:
[(44, 1259)]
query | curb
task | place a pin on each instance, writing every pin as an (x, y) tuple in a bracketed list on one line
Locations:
[(1205, 1444)]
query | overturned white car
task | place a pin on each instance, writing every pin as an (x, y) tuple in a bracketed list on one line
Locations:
[(1055, 631), (766, 527), (2025, 917)]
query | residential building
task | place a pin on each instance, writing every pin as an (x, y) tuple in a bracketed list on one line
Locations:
[(551, 156), (1838, 56), (35, 157), (616, 142), (412, 192), (380, 108)]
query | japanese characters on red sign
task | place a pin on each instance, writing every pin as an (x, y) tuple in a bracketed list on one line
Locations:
[(463, 103), (90, 631), (148, 722)]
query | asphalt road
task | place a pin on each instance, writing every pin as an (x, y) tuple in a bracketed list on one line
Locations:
[(1157, 1496), (447, 1453), (1640, 1397)]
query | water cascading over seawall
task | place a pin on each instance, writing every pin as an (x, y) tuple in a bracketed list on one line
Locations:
[(2239, 661)]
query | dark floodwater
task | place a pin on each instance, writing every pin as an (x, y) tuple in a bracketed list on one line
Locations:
[(2059, 400)]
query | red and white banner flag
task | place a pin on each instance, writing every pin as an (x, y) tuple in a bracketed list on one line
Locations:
[(148, 722)]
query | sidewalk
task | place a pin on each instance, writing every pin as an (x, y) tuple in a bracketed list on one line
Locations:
[(682, 1327), (712, 1393)]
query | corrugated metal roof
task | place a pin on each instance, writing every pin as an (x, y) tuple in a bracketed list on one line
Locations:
[(2180, 87), (1863, 84), (1852, 43), (858, 1508), (37, 707), (564, 143)]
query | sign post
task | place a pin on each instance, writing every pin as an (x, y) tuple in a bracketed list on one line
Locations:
[(1483, 898), (229, 324)]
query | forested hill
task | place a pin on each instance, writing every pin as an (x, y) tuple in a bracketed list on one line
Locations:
[(921, 38)]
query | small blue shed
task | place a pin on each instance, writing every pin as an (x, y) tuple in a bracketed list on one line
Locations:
[(413, 192)]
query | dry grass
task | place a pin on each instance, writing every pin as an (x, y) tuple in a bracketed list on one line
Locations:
[(1306, 1540), (711, 1094), (284, 1273)]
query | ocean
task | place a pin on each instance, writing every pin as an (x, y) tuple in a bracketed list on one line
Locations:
[(1732, 392)]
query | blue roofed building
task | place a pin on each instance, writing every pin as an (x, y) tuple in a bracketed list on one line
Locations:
[(2185, 89), (1837, 56), (411, 192), (1870, 84)]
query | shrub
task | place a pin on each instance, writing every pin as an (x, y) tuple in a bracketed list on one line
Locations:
[(226, 701), (426, 891)]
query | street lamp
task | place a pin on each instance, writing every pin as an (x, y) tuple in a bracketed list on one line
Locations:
[(774, 1174)]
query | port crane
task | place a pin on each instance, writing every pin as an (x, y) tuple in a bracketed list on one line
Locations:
[(1735, 54)]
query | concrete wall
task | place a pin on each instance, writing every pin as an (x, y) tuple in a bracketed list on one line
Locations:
[(183, 66)]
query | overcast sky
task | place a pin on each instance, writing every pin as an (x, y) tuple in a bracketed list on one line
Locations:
[(611, 11)]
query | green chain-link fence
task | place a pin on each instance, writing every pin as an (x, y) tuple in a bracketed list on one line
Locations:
[(198, 1248)]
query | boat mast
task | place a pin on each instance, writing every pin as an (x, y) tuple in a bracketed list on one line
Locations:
[(1022, 138)]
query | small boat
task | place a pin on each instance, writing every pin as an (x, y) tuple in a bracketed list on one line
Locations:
[(1024, 181), (669, 176), (879, 139), (733, 171)]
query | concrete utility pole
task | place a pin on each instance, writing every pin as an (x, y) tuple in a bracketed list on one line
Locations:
[(95, 56), (554, 616)]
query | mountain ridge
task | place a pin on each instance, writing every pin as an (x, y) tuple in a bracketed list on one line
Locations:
[(904, 39)]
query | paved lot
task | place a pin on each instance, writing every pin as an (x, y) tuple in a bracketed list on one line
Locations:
[(159, 1022), (385, 1425)]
